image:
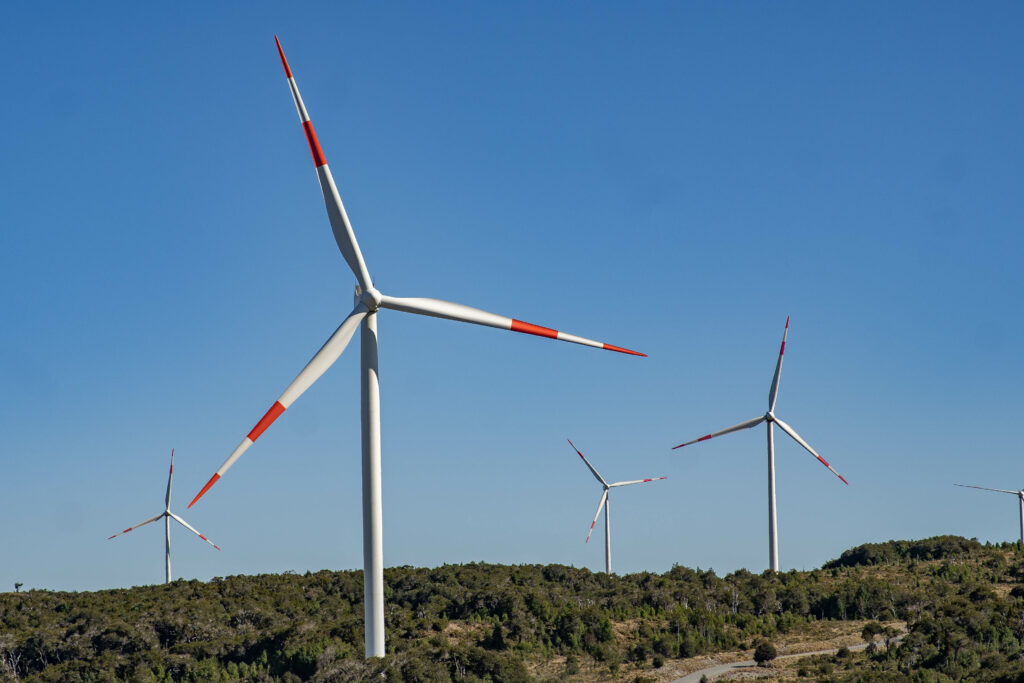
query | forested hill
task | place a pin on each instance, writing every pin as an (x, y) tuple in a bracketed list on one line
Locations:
[(963, 604)]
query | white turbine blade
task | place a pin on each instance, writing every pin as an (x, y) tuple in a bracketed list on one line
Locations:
[(591, 467), (968, 486), (599, 506), (316, 367), (340, 225), (467, 314), (170, 475), (796, 437), (188, 526), (132, 528), (774, 392), (635, 481), (735, 428)]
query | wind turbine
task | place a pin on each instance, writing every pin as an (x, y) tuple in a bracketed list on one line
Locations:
[(603, 503), (769, 417), (167, 516), (368, 301), (1020, 498)]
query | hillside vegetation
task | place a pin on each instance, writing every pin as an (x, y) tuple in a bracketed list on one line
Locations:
[(963, 604)]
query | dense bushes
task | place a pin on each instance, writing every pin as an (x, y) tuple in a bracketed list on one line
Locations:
[(891, 552), (480, 622)]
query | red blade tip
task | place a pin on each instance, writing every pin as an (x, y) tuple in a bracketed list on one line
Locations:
[(284, 62), (213, 480), (609, 347)]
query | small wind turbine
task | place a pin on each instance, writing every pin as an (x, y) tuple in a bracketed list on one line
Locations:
[(603, 503), (769, 417), (1020, 498), (369, 301), (167, 516)]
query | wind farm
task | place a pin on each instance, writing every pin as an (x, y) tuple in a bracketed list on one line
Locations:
[(672, 181)]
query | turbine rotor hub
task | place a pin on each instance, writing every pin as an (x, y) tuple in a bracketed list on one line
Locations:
[(769, 417), (371, 298)]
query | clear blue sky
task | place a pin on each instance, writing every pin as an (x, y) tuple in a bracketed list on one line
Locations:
[(675, 178)]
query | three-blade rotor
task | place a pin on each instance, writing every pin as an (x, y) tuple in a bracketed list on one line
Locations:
[(167, 512), (606, 486), (770, 417), (370, 299)]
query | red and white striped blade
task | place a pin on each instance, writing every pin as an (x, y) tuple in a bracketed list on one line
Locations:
[(188, 526), (773, 393), (968, 486), (340, 225), (796, 437), (316, 367), (133, 528), (604, 496), (587, 462), (735, 428), (438, 308), (170, 475), (635, 481)]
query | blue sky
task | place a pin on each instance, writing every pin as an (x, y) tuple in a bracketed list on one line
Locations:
[(675, 178)]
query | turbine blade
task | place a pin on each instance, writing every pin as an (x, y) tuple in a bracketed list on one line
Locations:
[(452, 311), (774, 392), (796, 437), (340, 225), (170, 475), (132, 528), (635, 481), (591, 467), (188, 526), (599, 506), (968, 486), (316, 367), (735, 428)]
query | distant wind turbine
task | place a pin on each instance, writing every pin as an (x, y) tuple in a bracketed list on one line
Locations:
[(769, 417), (167, 516), (369, 301), (1020, 498), (603, 503)]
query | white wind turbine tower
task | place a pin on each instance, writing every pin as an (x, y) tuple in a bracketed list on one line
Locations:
[(603, 503), (1020, 498), (167, 516), (770, 418), (368, 301)]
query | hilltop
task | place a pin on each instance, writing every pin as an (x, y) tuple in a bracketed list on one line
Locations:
[(960, 603)]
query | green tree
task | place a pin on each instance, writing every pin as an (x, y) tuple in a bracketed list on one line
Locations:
[(764, 653)]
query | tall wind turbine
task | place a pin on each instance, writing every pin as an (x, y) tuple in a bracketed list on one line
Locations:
[(368, 301), (167, 516), (1020, 498), (603, 503), (769, 417)]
